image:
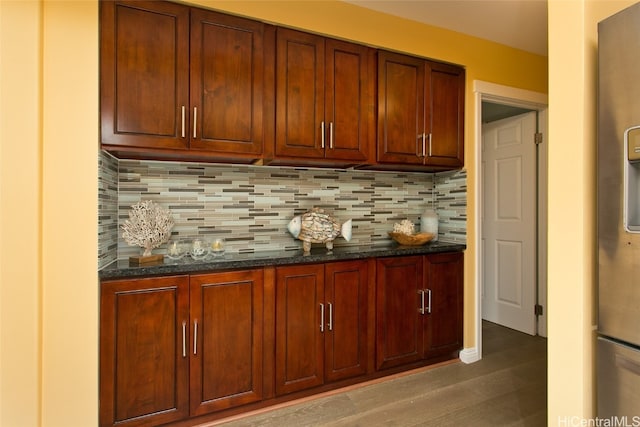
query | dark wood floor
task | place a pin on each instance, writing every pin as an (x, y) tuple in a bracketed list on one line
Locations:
[(506, 388)]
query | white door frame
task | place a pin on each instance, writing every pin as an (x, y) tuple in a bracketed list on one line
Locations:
[(486, 91)]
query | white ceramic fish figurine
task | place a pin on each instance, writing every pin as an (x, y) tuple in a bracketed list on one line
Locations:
[(317, 226)]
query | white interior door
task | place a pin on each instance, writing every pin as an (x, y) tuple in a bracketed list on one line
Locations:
[(509, 222)]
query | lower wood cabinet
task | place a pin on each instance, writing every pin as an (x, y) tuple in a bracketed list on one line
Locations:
[(144, 367), (399, 328), (226, 348), (175, 347), (419, 308), (321, 324), (187, 349), (443, 279)]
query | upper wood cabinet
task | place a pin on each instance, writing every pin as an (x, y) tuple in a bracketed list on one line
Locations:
[(185, 83), (144, 73), (420, 113), (324, 100), (180, 82), (227, 83)]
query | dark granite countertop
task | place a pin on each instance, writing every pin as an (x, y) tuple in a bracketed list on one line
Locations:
[(233, 261)]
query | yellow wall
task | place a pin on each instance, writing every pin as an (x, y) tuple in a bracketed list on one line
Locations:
[(20, 233), (572, 251), (70, 213), (48, 216), (48, 192)]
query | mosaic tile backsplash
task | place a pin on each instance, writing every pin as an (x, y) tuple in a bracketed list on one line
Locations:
[(250, 206), (107, 209)]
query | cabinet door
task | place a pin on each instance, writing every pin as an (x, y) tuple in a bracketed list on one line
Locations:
[(226, 351), (446, 144), (349, 97), (399, 337), (444, 279), (299, 327), (346, 294), (299, 94), (143, 362), (227, 83), (401, 108), (144, 73)]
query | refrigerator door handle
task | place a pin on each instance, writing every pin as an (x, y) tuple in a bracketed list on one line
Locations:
[(631, 185)]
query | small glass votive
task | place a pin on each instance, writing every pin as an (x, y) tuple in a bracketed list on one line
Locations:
[(176, 248), (199, 249), (217, 246)]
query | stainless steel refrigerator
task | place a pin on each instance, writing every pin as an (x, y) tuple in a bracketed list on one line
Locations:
[(618, 159)]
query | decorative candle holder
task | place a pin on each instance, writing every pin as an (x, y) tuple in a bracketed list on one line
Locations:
[(177, 248), (199, 249), (218, 246)]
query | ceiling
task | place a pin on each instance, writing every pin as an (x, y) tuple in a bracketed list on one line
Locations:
[(521, 24)]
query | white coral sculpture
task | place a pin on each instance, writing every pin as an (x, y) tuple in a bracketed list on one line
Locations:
[(149, 225)]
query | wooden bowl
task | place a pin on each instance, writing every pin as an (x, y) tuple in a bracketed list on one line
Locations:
[(411, 239)]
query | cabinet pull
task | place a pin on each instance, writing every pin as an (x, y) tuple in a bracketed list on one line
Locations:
[(195, 121), (330, 317), (321, 317), (184, 339), (195, 336), (183, 120), (322, 134), (421, 309), (424, 148), (429, 145), (428, 301), (420, 145), (331, 135)]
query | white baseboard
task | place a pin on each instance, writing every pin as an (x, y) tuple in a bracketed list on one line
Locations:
[(469, 355)]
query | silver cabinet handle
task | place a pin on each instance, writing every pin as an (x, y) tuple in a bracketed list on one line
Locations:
[(429, 145), (331, 135), (421, 309), (321, 317), (184, 339), (195, 336), (184, 110), (195, 121), (330, 317), (322, 132), (428, 301), (421, 145)]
